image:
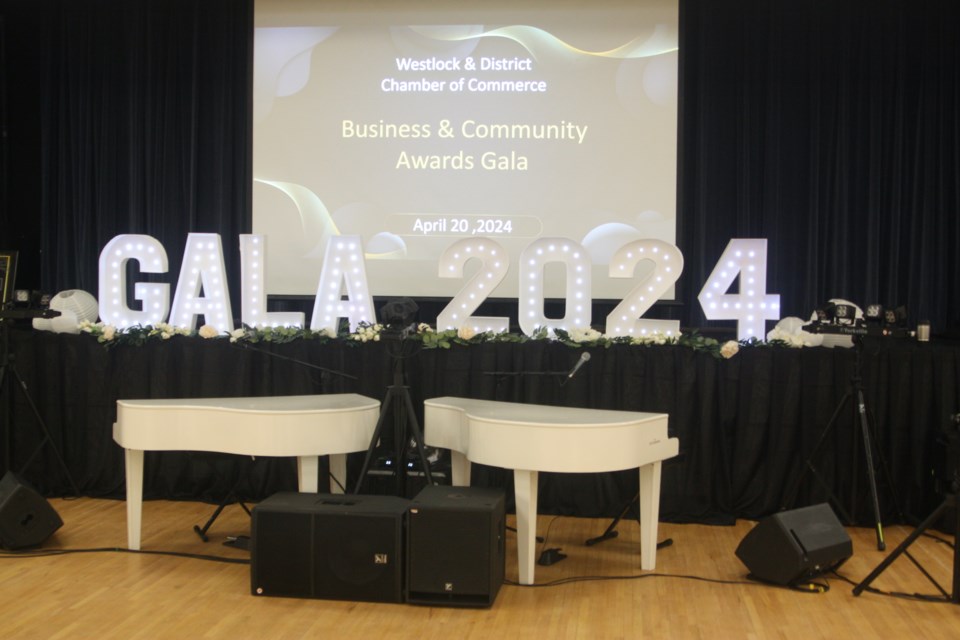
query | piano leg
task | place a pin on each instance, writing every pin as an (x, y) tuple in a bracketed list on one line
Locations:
[(459, 469), (308, 467), (134, 464), (338, 471), (649, 514), (525, 494)]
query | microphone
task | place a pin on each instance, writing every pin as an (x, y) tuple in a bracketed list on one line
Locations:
[(584, 357)]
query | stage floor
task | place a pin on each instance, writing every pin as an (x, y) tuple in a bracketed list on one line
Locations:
[(698, 590)]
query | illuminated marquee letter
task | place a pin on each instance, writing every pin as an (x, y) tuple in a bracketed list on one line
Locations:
[(533, 261), (253, 298), (154, 298), (343, 264), (202, 269), (753, 306), (495, 262), (667, 267)]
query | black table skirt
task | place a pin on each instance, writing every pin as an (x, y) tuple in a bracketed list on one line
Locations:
[(746, 425)]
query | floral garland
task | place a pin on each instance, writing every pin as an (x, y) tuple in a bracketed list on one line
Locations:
[(138, 335)]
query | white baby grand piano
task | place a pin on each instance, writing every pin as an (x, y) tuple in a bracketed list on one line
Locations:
[(532, 438), (304, 427)]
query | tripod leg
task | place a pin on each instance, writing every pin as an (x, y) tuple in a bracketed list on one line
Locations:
[(417, 435), (611, 531), (955, 598), (901, 548), (202, 531), (871, 474), (46, 435), (384, 412)]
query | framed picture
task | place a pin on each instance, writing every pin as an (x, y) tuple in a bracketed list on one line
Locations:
[(8, 275)]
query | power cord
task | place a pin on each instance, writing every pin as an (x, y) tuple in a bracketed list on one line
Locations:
[(7, 555)]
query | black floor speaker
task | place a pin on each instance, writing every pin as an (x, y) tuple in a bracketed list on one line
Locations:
[(455, 546), (26, 518), (793, 546), (339, 547)]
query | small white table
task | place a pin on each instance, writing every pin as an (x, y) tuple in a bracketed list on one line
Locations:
[(530, 438), (304, 427)]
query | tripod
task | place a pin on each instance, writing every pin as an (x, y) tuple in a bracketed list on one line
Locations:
[(9, 376), (403, 414), (953, 457), (854, 393), (902, 548), (232, 495)]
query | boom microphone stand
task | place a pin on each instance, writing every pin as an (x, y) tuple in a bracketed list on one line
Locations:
[(233, 494), (9, 376)]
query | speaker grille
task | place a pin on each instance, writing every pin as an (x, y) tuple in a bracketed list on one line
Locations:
[(455, 546), (325, 546)]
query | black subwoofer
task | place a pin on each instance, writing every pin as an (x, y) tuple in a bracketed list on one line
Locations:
[(455, 546), (796, 545), (339, 547), (26, 518)]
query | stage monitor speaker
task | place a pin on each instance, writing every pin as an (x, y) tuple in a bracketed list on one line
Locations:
[(338, 547), (793, 546), (455, 546), (26, 518)]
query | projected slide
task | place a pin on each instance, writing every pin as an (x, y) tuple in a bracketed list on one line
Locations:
[(416, 124)]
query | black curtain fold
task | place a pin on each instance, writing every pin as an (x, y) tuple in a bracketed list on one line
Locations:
[(146, 112), (831, 129)]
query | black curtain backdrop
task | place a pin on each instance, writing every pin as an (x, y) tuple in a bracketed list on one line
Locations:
[(830, 128)]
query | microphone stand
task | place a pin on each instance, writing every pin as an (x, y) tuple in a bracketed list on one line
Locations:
[(567, 375), (233, 493)]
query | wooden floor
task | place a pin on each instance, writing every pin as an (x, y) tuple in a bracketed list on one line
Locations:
[(124, 595)]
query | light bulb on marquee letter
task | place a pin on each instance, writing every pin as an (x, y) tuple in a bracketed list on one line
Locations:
[(667, 267), (155, 297), (253, 282), (495, 262), (343, 264), (533, 261), (202, 269), (753, 306)]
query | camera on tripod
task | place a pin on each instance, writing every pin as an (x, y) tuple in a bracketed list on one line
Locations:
[(398, 318)]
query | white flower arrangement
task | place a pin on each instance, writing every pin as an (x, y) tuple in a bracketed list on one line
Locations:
[(650, 338), (584, 334), (785, 335), (729, 349), (367, 332), (208, 331)]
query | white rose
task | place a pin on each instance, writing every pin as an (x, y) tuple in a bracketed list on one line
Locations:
[(236, 334), (208, 331), (109, 332), (729, 348), (465, 332)]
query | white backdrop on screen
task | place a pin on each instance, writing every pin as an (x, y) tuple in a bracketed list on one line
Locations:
[(417, 124)]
